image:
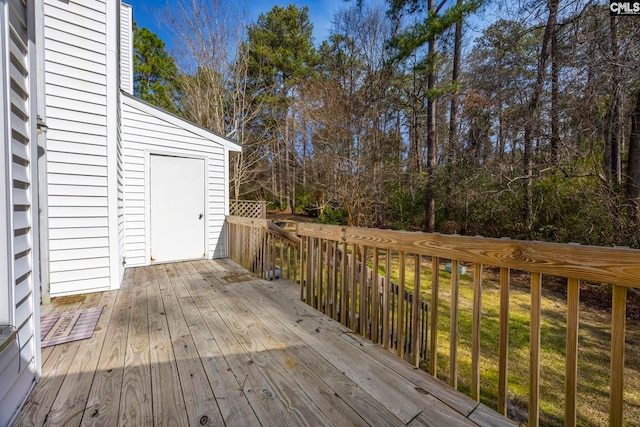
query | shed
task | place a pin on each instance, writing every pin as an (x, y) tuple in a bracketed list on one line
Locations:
[(176, 186)]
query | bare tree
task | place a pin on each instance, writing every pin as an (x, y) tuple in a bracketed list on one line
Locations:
[(213, 77), (533, 110)]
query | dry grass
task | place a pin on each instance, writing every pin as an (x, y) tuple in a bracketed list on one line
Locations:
[(594, 348)]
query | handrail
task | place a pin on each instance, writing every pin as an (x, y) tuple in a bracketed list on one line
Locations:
[(599, 264)]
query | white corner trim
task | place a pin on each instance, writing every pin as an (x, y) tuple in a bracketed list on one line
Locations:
[(6, 218), (114, 110)]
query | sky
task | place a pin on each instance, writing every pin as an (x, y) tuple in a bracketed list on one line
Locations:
[(145, 13)]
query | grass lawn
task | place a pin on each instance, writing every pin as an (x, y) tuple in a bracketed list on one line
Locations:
[(594, 346)]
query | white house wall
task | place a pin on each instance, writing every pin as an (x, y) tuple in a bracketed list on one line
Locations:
[(146, 133), (80, 86), (19, 281)]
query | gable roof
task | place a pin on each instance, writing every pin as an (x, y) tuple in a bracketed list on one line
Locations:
[(178, 121)]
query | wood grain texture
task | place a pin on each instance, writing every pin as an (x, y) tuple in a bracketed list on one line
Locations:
[(475, 332), (534, 349), (180, 310), (415, 313), (375, 295), (308, 328), (453, 325), (168, 402), (503, 341), (220, 352), (612, 265), (103, 405), (79, 378), (306, 395), (39, 405), (386, 290), (135, 400), (485, 416), (618, 326), (571, 361), (438, 417), (401, 304), (435, 296)]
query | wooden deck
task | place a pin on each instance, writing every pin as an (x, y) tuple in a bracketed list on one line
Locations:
[(206, 343)]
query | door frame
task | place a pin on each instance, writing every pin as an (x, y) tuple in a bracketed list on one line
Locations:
[(148, 152)]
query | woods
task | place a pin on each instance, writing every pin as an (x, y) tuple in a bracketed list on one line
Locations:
[(423, 115)]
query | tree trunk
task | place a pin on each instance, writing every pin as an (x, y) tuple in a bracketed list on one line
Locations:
[(287, 162), (531, 123), (633, 165), (453, 115), (415, 151), (430, 208), (612, 145), (453, 112), (555, 107)]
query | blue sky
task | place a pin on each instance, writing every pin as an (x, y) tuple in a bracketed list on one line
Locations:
[(321, 13)]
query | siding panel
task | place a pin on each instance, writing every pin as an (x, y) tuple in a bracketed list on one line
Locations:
[(76, 88)]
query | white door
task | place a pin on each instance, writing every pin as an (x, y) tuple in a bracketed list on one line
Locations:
[(177, 192)]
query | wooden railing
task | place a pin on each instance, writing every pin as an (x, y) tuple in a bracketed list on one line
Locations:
[(248, 208), (343, 290), (339, 282), (263, 248)]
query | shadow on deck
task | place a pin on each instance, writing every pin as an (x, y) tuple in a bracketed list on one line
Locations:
[(207, 343)]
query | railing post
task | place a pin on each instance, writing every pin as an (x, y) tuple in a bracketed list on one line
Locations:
[(401, 279), (375, 289), (435, 295), (503, 341), (618, 326), (453, 327), (534, 349), (363, 293), (334, 281), (386, 289), (344, 284), (475, 335), (571, 364), (415, 313), (353, 288)]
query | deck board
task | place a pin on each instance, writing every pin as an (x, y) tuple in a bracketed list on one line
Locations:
[(168, 402), (188, 344)]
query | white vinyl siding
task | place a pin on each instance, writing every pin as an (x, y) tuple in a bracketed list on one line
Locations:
[(146, 133), (77, 90), (126, 48), (19, 279)]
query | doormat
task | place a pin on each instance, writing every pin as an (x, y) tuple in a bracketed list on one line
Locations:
[(74, 325)]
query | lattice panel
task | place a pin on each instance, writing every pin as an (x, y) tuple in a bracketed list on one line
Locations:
[(248, 209)]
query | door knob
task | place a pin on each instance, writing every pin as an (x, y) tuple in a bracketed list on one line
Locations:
[(200, 217)]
